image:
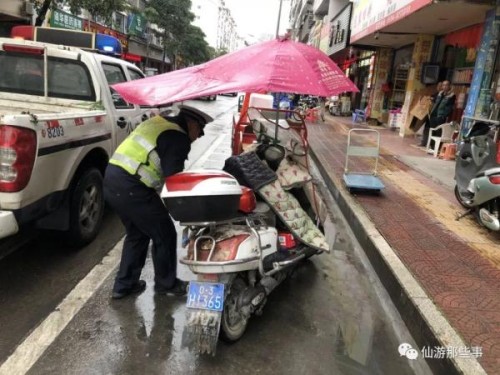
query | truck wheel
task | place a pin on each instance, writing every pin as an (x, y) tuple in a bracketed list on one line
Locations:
[(233, 323), (86, 208)]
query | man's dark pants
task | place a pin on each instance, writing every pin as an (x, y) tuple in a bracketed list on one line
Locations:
[(144, 217)]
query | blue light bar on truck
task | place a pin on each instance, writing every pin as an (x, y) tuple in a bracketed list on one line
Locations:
[(103, 43), (108, 44)]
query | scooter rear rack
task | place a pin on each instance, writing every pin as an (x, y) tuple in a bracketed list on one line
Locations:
[(253, 222)]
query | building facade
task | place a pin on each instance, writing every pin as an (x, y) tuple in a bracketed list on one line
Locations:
[(396, 52), (216, 21)]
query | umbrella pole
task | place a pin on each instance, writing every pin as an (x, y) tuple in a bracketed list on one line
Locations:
[(244, 107), (277, 119)]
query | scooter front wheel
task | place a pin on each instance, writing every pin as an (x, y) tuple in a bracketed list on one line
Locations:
[(462, 198), (233, 324)]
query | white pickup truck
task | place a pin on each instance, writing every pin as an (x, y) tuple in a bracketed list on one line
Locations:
[(59, 124)]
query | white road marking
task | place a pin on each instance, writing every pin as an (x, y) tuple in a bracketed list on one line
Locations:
[(32, 348)]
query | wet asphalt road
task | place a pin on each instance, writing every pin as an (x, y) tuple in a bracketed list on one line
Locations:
[(330, 317)]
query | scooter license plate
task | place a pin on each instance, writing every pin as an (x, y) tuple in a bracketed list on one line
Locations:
[(206, 296)]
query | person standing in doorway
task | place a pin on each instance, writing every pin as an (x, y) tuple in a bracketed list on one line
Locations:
[(156, 149), (441, 110)]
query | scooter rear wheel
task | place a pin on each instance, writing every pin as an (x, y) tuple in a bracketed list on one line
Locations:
[(233, 323), (461, 198)]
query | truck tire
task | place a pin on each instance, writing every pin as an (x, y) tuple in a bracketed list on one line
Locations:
[(86, 208)]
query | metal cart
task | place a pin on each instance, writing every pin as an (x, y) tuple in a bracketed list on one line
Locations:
[(366, 180)]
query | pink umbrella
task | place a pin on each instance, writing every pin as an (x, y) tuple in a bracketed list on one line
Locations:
[(279, 65)]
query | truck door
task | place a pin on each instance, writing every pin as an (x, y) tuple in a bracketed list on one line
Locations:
[(128, 115)]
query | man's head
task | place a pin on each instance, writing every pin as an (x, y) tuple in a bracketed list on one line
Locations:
[(195, 121), (446, 86)]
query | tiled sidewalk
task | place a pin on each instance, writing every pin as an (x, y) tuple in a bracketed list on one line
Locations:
[(456, 262)]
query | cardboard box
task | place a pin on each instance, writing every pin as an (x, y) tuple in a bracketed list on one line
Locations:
[(422, 108)]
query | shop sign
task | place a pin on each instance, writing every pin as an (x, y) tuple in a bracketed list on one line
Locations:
[(337, 34), (64, 20), (136, 25), (369, 16), (479, 93), (339, 26), (97, 28)]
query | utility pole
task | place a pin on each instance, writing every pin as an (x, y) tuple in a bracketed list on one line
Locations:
[(43, 12), (279, 16)]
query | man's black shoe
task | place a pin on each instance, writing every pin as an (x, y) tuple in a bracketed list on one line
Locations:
[(179, 289), (138, 287)]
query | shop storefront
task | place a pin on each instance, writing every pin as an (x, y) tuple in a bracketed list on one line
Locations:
[(359, 68), (424, 51), (485, 85), (457, 53)]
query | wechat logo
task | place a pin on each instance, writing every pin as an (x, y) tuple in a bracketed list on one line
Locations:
[(406, 350)]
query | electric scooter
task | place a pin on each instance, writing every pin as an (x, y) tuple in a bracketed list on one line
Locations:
[(234, 247), (477, 173)]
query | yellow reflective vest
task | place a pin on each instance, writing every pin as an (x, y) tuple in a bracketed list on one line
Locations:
[(137, 153)]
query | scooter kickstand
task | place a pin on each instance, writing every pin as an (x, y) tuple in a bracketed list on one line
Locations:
[(459, 216)]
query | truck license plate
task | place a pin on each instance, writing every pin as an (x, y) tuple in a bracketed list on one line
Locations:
[(206, 296)]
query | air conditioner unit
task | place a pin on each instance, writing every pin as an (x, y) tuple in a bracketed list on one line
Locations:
[(29, 9)]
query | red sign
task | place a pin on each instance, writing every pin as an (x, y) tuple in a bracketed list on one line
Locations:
[(52, 124), (131, 57), (96, 28)]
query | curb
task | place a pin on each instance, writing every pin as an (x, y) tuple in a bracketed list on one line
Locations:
[(428, 326)]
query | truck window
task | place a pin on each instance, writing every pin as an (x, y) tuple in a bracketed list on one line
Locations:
[(24, 74), (115, 74), (134, 74), (69, 79), (21, 73)]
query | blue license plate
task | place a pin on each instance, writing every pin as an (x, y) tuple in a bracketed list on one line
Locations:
[(206, 296)]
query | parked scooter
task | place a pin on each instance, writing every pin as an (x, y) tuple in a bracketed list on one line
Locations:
[(333, 106), (477, 173), (236, 250)]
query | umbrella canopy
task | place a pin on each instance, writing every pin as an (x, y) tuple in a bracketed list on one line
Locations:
[(279, 65)]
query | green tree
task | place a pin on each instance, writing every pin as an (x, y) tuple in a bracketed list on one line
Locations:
[(42, 11), (195, 49), (183, 43), (218, 52), (96, 8)]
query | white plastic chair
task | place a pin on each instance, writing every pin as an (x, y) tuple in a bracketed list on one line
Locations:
[(447, 130)]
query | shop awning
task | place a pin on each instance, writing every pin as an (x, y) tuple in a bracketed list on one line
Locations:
[(436, 18)]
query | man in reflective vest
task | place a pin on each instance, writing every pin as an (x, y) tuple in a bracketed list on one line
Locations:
[(156, 149)]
